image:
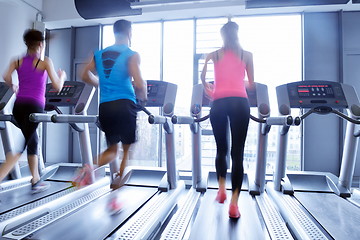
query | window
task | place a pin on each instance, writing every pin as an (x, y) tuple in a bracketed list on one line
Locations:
[(168, 50), (275, 42), (146, 40), (178, 69)]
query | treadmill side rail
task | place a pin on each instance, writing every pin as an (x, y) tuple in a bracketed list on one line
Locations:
[(149, 219)]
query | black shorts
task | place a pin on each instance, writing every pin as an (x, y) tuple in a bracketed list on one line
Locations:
[(118, 121)]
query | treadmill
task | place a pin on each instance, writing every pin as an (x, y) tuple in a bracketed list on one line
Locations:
[(6, 94), (18, 205), (149, 196), (314, 204), (16, 178), (199, 215)]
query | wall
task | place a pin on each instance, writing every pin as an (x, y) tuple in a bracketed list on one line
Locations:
[(15, 17), (58, 135), (331, 52), (70, 49), (321, 61), (61, 14), (351, 57), (86, 41), (12, 29)]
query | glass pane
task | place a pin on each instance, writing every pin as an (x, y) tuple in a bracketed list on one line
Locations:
[(208, 37), (275, 42), (178, 69), (108, 36), (145, 151), (146, 40)]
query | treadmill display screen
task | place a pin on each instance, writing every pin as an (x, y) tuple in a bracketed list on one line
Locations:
[(66, 91), (156, 93), (69, 95), (315, 91), (156, 89), (151, 89)]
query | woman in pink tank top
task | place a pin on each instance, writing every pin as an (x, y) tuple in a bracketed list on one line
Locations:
[(30, 98), (230, 107)]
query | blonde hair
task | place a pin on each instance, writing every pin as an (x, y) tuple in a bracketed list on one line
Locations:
[(229, 33)]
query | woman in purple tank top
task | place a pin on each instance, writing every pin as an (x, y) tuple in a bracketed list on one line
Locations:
[(30, 98), (230, 107)]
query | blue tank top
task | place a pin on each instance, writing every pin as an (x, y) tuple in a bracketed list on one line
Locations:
[(113, 71)]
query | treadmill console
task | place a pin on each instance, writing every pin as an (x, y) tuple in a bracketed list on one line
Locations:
[(3, 89), (258, 97), (161, 94), (311, 94), (5, 94), (68, 96), (206, 102), (73, 94)]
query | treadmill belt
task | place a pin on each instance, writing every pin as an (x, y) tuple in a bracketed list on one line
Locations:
[(23, 195), (213, 223), (94, 220), (339, 217)]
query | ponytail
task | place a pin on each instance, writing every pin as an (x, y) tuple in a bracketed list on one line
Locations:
[(229, 33)]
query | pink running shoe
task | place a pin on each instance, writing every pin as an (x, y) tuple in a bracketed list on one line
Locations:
[(221, 196), (115, 206), (83, 177), (40, 186), (234, 211)]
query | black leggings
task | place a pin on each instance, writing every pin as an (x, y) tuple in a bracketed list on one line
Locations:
[(21, 112), (235, 110)]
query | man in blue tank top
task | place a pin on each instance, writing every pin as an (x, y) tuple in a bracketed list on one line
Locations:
[(118, 77)]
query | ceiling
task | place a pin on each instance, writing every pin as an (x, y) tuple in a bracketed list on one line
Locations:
[(186, 9)]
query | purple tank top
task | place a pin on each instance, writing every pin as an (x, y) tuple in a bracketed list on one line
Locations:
[(32, 82)]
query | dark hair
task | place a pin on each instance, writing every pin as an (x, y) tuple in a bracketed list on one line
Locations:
[(32, 37), (229, 33), (122, 26)]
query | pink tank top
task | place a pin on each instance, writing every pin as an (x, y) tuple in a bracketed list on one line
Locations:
[(32, 82), (229, 77)]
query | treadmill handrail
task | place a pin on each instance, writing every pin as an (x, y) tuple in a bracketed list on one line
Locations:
[(157, 119), (281, 120), (45, 117), (182, 119), (344, 116), (40, 117), (330, 110), (69, 118), (187, 119), (153, 119), (6, 117)]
